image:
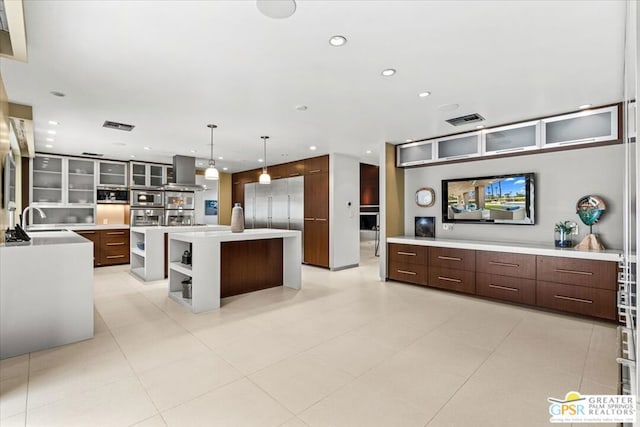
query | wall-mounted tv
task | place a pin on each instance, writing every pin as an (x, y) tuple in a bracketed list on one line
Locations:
[(499, 199)]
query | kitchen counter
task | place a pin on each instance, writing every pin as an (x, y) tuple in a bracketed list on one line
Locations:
[(46, 292), (225, 264), (77, 227), (149, 263), (516, 248)]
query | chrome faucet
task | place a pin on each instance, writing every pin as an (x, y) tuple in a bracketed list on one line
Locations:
[(23, 217)]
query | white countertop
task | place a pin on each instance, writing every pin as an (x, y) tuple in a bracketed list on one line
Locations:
[(519, 248), (228, 236), (78, 227), (177, 228), (48, 238)]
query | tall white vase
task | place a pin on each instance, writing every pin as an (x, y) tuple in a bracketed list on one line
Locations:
[(237, 219)]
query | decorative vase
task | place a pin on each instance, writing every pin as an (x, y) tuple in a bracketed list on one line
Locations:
[(563, 239), (237, 219)]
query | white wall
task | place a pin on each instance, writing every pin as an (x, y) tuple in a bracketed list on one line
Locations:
[(562, 177), (211, 193), (344, 220)]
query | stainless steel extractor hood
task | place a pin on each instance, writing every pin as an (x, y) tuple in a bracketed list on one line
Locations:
[(184, 173)]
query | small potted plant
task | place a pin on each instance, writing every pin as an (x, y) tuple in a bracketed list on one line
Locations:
[(563, 232)]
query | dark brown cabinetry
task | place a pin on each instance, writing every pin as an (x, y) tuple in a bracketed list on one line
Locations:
[(316, 217), (573, 285), (110, 247)]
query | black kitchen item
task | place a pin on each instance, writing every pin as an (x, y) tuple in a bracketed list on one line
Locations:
[(186, 258), (186, 288)]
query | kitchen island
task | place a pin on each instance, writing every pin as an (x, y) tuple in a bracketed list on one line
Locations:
[(225, 264), (46, 292), (149, 261)]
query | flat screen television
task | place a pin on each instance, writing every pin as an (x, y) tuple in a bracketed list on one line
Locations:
[(498, 199)]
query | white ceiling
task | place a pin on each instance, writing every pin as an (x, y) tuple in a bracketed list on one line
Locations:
[(171, 67)]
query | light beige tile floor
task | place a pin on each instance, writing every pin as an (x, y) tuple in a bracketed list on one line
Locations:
[(346, 350)]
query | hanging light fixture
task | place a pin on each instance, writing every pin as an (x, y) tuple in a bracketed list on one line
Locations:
[(211, 172), (264, 176)]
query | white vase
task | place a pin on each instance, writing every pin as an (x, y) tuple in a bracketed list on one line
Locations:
[(237, 219)]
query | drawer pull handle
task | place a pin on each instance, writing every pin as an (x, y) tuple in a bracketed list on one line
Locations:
[(309, 219), (449, 279), (504, 288), (321, 219), (449, 258), (315, 171), (294, 174), (503, 264), (115, 233), (115, 256), (584, 273), (413, 273), (86, 232), (584, 301), (115, 244), (407, 253)]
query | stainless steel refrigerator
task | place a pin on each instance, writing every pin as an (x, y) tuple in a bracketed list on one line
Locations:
[(277, 205)]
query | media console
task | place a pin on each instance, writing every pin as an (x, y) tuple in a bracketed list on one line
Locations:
[(568, 280)]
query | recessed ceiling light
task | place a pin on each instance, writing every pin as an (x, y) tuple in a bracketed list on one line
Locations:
[(53, 122), (58, 94), (313, 148), (301, 107), (424, 94), (147, 148), (132, 156), (225, 169), (192, 151), (388, 72), (408, 140), (338, 41), (368, 151), (51, 132), (49, 139), (448, 107), (260, 160), (48, 146), (220, 158), (480, 127), (584, 106)]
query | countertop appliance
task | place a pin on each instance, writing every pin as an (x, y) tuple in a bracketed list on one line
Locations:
[(277, 205), (147, 198), (112, 195), (145, 217)]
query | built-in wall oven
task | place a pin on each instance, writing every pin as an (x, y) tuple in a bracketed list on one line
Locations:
[(179, 200), (147, 198), (180, 217), (141, 217), (112, 195)]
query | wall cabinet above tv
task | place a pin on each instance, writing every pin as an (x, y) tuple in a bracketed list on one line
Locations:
[(598, 126)]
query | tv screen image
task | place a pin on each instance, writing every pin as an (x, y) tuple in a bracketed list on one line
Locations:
[(504, 199)]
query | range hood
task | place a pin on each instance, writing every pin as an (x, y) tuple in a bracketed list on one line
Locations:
[(184, 174)]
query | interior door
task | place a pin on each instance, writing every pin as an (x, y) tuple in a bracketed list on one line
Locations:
[(263, 193), (280, 204), (249, 204)]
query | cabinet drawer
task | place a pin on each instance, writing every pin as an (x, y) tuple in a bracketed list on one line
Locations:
[(115, 236), (580, 272), (506, 288), (405, 272), (506, 264), (455, 280), (412, 254), (115, 250), (577, 299), (461, 259)]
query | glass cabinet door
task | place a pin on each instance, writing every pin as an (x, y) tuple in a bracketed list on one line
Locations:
[(112, 173), (581, 128), (156, 175), (138, 174), (507, 139), (467, 145), (169, 175), (81, 181), (416, 153), (47, 180)]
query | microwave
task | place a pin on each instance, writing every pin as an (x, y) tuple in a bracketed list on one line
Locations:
[(112, 195), (179, 200), (147, 198)]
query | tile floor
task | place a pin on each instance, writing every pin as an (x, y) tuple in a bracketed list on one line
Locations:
[(346, 350)]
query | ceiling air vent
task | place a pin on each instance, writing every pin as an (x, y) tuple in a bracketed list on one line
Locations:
[(92, 154), (118, 126), (465, 120)]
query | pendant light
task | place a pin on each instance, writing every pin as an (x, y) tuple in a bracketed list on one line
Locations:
[(264, 176), (211, 173)]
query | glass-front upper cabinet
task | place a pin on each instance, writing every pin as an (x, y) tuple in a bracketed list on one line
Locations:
[(168, 173), (512, 138), (156, 175), (81, 181), (112, 174), (138, 174), (416, 153), (459, 147), (147, 174), (47, 181), (581, 128)]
